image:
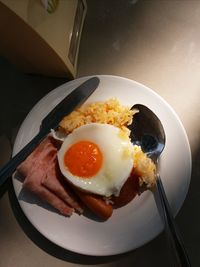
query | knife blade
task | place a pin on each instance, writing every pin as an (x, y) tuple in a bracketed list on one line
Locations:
[(75, 99)]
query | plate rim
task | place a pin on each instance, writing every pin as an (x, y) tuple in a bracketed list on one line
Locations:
[(73, 83)]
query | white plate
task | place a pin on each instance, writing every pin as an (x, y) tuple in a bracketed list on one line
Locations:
[(135, 224)]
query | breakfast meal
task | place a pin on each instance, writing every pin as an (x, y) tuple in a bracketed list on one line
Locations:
[(89, 162)]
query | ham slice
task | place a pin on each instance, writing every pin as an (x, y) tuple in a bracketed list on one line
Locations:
[(54, 183), (33, 183), (25, 167), (42, 177)]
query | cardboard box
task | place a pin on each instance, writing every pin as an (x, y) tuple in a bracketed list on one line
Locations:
[(41, 42)]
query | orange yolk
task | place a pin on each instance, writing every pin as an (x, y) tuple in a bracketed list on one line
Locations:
[(83, 159)]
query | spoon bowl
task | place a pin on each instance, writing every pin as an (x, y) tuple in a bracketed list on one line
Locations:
[(147, 131)]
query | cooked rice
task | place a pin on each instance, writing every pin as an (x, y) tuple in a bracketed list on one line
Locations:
[(144, 167), (112, 112)]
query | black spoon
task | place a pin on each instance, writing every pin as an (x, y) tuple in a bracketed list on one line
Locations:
[(148, 132)]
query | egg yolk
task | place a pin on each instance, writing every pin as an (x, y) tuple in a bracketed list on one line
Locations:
[(83, 159)]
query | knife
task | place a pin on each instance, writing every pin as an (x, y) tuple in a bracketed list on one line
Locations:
[(75, 99)]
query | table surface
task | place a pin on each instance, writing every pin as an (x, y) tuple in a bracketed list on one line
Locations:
[(156, 43)]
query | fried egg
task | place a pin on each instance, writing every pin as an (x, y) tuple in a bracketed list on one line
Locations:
[(97, 158)]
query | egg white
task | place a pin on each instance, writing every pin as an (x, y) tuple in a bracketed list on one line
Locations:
[(117, 158)]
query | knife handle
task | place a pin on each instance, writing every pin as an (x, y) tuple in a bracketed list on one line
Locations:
[(7, 170)]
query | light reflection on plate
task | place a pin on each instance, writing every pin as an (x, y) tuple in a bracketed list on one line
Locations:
[(135, 224)]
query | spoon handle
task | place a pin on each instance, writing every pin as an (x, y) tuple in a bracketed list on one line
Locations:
[(173, 233)]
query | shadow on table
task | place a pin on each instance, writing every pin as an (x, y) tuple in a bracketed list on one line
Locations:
[(19, 93), (4, 187)]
